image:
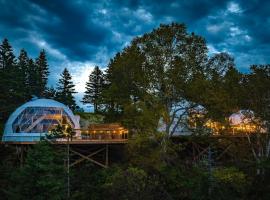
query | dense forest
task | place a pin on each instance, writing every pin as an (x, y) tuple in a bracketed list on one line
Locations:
[(159, 78)]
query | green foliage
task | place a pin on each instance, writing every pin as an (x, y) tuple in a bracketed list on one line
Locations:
[(31, 81), (7, 58), (50, 93), (89, 118), (145, 152), (42, 176), (66, 89), (33, 75), (7, 168), (94, 87), (141, 118), (228, 183), (147, 78), (185, 182), (87, 185), (2, 126), (257, 91), (229, 175), (70, 131), (20, 78), (221, 86), (8, 84), (42, 71), (93, 117), (61, 131), (134, 184), (57, 132), (260, 184), (162, 74)]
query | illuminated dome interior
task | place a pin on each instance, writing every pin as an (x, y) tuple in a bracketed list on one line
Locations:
[(36, 118)]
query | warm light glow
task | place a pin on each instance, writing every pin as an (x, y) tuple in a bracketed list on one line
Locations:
[(218, 127)]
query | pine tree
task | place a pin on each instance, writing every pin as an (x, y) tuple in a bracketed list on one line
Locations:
[(43, 73), (94, 88), (7, 58), (66, 89), (22, 66), (50, 93), (7, 79), (31, 79)]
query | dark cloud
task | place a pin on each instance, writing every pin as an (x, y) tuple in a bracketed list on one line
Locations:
[(72, 30), (82, 32)]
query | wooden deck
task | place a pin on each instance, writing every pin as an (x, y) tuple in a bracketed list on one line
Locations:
[(73, 142)]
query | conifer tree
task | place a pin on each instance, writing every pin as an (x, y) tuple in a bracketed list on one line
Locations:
[(94, 88), (43, 73), (7, 58), (50, 93), (20, 78), (66, 89), (31, 80), (7, 79), (22, 66)]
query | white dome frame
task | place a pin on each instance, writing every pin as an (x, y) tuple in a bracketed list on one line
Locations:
[(12, 136)]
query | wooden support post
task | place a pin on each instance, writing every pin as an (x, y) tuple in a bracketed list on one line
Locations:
[(68, 174), (107, 155), (210, 170), (193, 152), (21, 155)]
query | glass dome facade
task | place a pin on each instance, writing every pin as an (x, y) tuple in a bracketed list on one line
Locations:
[(40, 120), (36, 118)]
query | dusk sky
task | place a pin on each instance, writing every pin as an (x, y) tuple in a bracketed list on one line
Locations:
[(81, 34)]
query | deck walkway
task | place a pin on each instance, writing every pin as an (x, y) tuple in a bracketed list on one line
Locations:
[(73, 142)]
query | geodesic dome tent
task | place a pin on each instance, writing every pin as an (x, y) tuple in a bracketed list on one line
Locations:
[(241, 117), (34, 119)]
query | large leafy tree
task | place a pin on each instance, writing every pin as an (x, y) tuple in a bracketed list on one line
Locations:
[(94, 88), (222, 92), (152, 72), (66, 89), (125, 95), (257, 99), (257, 91)]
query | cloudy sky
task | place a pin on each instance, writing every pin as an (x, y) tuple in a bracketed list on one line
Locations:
[(79, 34)]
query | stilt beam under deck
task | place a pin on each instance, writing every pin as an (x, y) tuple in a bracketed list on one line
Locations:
[(89, 157)]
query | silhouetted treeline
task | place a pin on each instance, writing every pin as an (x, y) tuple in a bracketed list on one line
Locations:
[(23, 77), (20, 78)]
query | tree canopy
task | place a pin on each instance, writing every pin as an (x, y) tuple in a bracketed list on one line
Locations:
[(160, 76)]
